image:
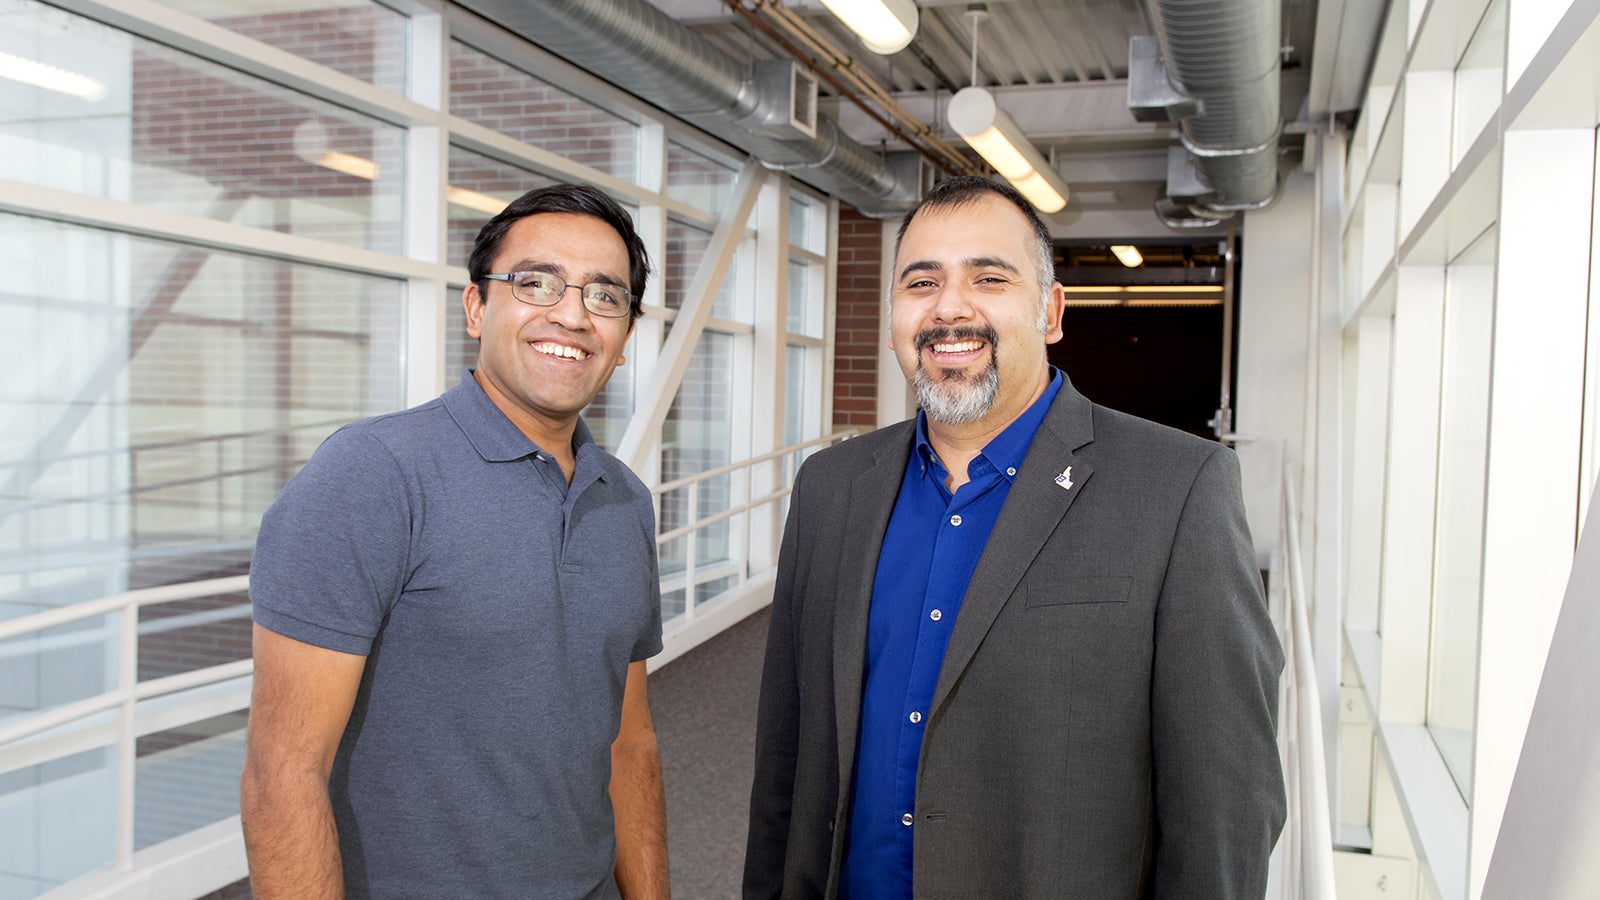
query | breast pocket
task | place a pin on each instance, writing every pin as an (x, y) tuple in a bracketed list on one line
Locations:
[(1076, 589)]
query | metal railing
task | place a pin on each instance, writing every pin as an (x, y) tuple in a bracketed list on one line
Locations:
[(741, 506), (1308, 837), (58, 732)]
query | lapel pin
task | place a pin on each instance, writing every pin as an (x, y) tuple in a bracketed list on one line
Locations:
[(1065, 479)]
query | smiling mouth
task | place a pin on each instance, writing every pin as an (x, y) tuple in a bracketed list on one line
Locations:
[(955, 341), (957, 346), (561, 351)]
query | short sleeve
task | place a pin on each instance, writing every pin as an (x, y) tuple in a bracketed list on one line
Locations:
[(649, 643), (333, 549)]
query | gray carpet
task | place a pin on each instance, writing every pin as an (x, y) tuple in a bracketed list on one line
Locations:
[(704, 705)]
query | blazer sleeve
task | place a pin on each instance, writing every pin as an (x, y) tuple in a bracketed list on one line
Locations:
[(777, 732), (1214, 698)]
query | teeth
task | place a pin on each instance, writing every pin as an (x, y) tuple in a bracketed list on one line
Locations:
[(962, 347), (560, 350)]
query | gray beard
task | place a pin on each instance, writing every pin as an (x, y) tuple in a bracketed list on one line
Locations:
[(952, 398)]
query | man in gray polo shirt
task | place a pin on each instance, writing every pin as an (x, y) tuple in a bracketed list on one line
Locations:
[(453, 605)]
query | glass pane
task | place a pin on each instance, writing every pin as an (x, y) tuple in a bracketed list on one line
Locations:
[(59, 821), (495, 95), (698, 436), (805, 298), (1478, 80), (607, 417), (356, 37), (132, 120), (159, 398), (686, 252), (696, 179), (479, 188), (796, 382), (1463, 436), (806, 229), (56, 666), (186, 635), (187, 778)]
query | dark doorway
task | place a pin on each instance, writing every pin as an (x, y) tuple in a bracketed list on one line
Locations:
[(1160, 363), (1143, 328)]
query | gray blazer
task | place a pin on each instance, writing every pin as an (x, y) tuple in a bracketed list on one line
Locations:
[(1103, 724)]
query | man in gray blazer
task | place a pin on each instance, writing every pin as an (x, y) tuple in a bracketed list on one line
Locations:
[(1018, 645)]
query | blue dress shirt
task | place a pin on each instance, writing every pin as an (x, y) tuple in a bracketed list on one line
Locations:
[(929, 552)]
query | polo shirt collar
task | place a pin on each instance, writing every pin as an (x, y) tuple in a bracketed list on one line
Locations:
[(493, 435), (1008, 448)]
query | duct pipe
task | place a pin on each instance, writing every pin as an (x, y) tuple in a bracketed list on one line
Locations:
[(1224, 54), (637, 47)]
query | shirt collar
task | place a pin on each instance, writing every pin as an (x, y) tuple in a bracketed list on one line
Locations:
[(1008, 448), (493, 435)]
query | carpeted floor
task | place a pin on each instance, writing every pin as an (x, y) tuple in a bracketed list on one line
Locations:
[(704, 705)]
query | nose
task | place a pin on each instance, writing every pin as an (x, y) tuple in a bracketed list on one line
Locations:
[(572, 315), (952, 304)]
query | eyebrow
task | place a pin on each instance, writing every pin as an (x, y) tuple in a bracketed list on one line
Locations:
[(528, 265), (971, 262)]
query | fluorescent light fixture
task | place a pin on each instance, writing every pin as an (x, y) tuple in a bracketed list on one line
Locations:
[(1177, 301), (1128, 255), (885, 26), (1094, 289), (1174, 288), (473, 200), (358, 166), (986, 127), (51, 78)]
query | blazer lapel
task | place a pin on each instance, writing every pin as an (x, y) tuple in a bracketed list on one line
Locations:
[(1045, 487), (865, 519)]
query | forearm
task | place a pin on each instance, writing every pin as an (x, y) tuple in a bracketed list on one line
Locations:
[(290, 837), (639, 806)]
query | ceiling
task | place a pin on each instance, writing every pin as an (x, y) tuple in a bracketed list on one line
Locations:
[(1059, 67)]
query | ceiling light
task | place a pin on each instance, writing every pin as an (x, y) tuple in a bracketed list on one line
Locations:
[(973, 115), (884, 26), (1174, 289), (358, 166), (51, 78), (1128, 255), (473, 200)]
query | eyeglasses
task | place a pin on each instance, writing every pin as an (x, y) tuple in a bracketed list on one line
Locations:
[(612, 301)]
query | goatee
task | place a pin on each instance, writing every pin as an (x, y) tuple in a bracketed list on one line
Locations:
[(950, 396)]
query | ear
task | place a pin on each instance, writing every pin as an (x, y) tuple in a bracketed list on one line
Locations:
[(1053, 309), (625, 339), (472, 305)]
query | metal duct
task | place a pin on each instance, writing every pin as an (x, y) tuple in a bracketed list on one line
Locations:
[(1224, 54), (636, 46)]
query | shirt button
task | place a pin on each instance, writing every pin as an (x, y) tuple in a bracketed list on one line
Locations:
[(955, 520), (1011, 471), (915, 717), (936, 615), (906, 819)]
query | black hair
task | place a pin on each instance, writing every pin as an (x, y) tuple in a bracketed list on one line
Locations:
[(577, 199), (965, 189)]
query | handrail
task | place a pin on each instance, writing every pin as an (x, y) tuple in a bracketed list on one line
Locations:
[(690, 530), (685, 481), (1314, 842)]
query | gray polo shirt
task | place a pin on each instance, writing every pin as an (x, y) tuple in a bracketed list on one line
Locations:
[(499, 609)]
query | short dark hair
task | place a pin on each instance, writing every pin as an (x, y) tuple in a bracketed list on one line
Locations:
[(577, 199), (965, 189)]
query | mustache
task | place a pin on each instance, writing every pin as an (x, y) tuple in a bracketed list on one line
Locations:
[(947, 335)]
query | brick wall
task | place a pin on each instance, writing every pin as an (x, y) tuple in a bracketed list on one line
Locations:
[(859, 313)]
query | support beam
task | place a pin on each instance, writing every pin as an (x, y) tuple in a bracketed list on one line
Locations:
[(643, 436)]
